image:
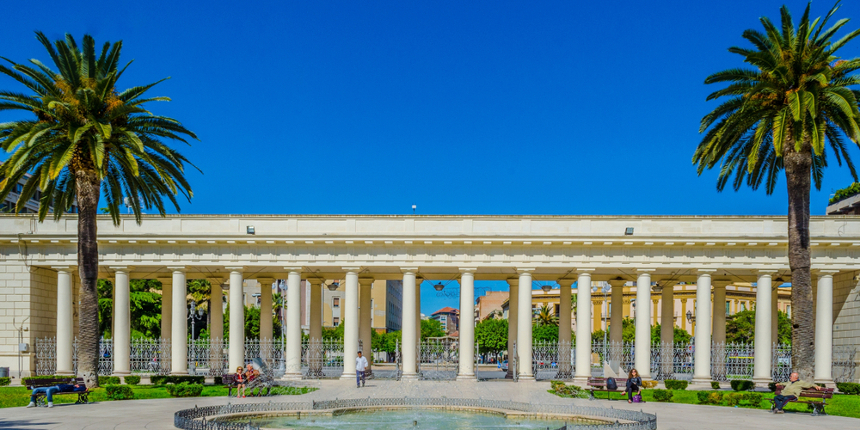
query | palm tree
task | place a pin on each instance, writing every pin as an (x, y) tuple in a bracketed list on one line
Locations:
[(87, 139), (546, 316), (780, 115)]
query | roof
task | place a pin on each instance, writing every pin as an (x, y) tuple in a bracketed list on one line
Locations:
[(446, 310)]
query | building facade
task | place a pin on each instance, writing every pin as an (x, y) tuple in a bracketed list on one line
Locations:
[(490, 304), (38, 276), (449, 318)]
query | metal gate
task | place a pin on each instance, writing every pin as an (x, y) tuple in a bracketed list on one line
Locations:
[(322, 358), (438, 359), (545, 359)]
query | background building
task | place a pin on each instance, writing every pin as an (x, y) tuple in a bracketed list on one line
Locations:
[(489, 303), (450, 319)]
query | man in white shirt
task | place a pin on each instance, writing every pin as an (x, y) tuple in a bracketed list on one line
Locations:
[(360, 367)]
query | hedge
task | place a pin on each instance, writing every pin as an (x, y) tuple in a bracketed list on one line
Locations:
[(108, 380), (662, 395), (674, 384), (715, 385), (185, 390), (742, 385), (163, 380), (5, 380), (848, 387), (132, 379), (732, 399), (119, 392)]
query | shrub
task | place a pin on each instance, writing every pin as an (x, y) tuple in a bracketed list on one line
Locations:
[(742, 385), (649, 384), (674, 384), (715, 385), (108, 380), (735, 399), (846, 192), (163, 380), (119, 392), (218, 381), (703, 397), (132, 380), (185, 390), (5, 381), (662, 395), (754, 399), (848, 387), (715, 398)]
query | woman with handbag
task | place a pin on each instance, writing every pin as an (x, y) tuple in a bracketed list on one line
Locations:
[(634, 384)]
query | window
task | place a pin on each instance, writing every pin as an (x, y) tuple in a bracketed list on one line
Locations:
[(728, 307), (335, 303), (743, 306), (335, 321), (788, 310)]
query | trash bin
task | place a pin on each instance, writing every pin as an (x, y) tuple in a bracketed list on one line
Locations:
[(4, 372)]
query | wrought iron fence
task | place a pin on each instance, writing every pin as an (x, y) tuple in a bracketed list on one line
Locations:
[(730, 361), (513, 363), (545, 359), (322, 358), (439, 359), (619, 355), (844, 364), (213, 417), (150, 356), (780, 364)]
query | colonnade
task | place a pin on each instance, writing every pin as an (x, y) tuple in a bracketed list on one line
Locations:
[(357, 324)]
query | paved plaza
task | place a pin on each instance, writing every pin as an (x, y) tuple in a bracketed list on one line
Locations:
[(158, 413)]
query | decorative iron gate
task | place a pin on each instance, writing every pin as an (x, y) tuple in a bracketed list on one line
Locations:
[(619, 356), (780, 365), (439, 359), (150, 356), (545, 359), (730, 361), (322, 358)]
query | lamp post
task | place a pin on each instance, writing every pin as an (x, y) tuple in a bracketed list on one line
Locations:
[(194, 314)]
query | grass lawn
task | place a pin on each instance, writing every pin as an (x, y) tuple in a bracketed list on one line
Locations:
[(11, 397), (840, 405)]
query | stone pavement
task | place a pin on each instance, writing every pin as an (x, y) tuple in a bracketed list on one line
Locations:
[(157, 414)]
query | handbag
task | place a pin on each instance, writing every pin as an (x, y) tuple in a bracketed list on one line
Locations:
[(637, 398)]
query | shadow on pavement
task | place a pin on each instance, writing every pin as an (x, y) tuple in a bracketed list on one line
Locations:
[(22, 424)]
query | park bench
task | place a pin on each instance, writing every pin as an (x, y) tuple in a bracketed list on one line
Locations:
[(599, 384), (230, 382), (41, 398), (806, 396)]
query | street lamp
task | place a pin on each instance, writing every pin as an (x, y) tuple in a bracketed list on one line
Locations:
[(194, 314), (439, 286), (690, 317), (333, 286), (546, 288)]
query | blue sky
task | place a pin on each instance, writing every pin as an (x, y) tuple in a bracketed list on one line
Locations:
[(480, 107)]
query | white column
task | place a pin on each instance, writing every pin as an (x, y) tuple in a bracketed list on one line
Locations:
[(409, 348), (467, 325), (824, 329), (166, 308), (350, 318), (524, 329), (565, 367), (642, 347), (513, 321), (702, 354), (216, 310), (65, 322), (293, 356), (236, 351), (582, 368), (418, 282), (179, 334), (763, 346), (266, 330), (122, 335), (364, 324), (774, 312), (667, 328), (315, 330), (616, 319), (719, 333)]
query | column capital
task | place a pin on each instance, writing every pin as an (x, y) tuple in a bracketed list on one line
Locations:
[(642, 271), (365, 281), (265, 280), (63, 268), (294, 268), (767, 272), (413, 270), (315, 281), (566, 282), (825, 272), (584, 271), (235, 268), (513, 281), (705, 272), (525, 270), (175, 269), (471, 270), (617, 282), (120, 268)]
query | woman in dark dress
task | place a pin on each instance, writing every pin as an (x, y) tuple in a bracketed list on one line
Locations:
[(634, 383)]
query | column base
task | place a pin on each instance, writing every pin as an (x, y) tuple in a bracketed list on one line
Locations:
[(179, 373), (762, 382), (64, 372), (467, 377), (120, 373), (346, 376), (292, 376), (409, 377), (580, 380), (526, 378), (702, 381), (829, 383)]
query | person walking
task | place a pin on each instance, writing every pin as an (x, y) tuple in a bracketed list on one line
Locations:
[(790, 392), (360, 367)]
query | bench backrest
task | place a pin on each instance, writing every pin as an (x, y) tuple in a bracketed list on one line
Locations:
[(602, 381), (38, 383), (826, 393), (228, 379)]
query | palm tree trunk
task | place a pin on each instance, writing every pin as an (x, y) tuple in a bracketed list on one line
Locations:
[(797, 174), (88, 188)]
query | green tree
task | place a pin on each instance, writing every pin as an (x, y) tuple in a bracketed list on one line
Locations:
[(252, 323), (87, 138), (780, 115), (545, 333), (740, 327), (144, 305), (390, 341), (546, 316), (431, 328), (335, 333), (492, 335)]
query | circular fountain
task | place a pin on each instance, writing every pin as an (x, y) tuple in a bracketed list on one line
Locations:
[(399, 413)]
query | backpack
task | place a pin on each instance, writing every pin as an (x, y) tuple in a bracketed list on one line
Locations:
[(637, 398), (611, 384)]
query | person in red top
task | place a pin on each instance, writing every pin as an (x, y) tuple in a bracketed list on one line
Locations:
[(240, 382)]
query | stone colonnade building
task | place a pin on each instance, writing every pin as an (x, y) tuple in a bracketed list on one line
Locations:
[(38, 275)]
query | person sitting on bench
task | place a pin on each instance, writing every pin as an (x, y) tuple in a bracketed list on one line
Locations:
[(791, 391), (634, 384), (49, 392)]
